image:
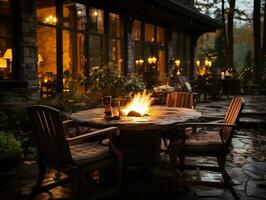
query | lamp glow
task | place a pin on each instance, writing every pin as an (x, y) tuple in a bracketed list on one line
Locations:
[(198, 63), (177, 62), (8, 54), (3, 63), (206, 62)]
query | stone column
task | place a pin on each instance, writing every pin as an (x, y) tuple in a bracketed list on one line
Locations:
[(131, 56), (28, 68)]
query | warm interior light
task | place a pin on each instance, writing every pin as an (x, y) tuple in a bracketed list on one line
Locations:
[(206, 62), (210, 63), (140, 103), (202, 71), (50, 20), (154, 59), (198, 63), (139, 62), (151, 60), (79, 12), (3, 63), (95, 13), (40, 59), (177, 62), (8, 54)]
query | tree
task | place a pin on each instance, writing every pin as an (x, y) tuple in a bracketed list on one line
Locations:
[(227, 16), (230, 33), (258, 69), (264, 35), (248, 60)]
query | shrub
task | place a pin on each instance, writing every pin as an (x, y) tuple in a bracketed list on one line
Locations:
[(105, 81), (8, 143)]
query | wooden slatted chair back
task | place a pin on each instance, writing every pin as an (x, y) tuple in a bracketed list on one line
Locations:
[(48, 132), (232, 115), (182, 80), (180, 99)]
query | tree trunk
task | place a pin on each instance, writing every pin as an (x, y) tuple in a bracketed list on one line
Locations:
[(258, 70), (264, 36), (230, 36), (225, 34)]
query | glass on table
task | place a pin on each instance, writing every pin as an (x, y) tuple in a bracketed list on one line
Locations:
[(116, 108)]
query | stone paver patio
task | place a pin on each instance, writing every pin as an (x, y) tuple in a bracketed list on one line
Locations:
[(246, 165)]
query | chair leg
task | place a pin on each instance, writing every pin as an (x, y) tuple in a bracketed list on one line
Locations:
[(182, 160), (165, 143), (40, 178), (120, 175), (76, 180), (226, 177), (173, 156)]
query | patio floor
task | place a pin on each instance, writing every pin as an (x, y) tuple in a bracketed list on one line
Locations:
[(246, 165)]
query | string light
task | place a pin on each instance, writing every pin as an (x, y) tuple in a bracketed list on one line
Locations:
[(50, 19)]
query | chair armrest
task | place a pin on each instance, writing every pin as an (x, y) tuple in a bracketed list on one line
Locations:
[(113, 143), (67, 122), (208, 124), (82, 137), (214, 117), (195, 126)]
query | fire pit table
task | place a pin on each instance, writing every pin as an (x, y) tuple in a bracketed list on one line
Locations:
[(139, 137)]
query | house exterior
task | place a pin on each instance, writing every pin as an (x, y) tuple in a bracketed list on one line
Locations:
[(62, 39)]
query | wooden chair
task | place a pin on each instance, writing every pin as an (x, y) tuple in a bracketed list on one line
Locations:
[(213, 144), (73, 156), (187, 87), (180, 99), (176, 99)]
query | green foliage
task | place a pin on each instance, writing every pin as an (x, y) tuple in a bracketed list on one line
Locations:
[(105, 81), (3, 121), (219, 48), (248, 59), (8, 143)]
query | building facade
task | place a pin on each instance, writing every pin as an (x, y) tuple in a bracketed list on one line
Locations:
[(62, 39)]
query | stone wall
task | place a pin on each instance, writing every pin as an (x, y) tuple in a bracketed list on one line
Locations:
[(27, 47), (131, 55)]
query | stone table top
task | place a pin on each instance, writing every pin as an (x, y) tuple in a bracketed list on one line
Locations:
[(161, 116)]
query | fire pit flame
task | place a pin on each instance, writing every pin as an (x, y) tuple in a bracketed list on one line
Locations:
[(139, 105)]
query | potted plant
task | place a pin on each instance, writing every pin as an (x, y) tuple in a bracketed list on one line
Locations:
[(10, 151), (105, 81)]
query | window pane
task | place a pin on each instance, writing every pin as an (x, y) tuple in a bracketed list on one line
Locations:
[(139, 60), (46, 44), (5, 51), (116, 55), (5, 7), (5, 40), (150, 70), (160, 37), (96, 20), (46, 12), (115, 25), (73, 57), (75, 15), (182, 47), (149, 33), (136, 30), (96, 51), (161, 65)]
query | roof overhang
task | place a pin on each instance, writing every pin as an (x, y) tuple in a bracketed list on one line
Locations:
[(168, 13)]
